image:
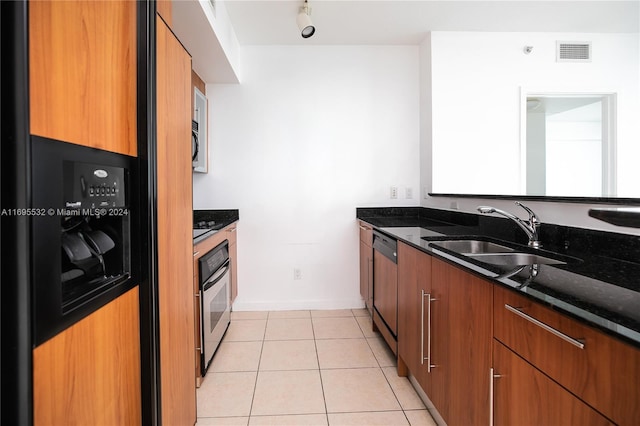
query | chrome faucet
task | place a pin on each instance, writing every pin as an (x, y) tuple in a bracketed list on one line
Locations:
[(530, 227)]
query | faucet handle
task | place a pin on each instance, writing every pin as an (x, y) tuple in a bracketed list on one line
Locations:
[(533, 218)]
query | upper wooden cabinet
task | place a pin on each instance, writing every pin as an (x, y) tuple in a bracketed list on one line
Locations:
[(82, 73)]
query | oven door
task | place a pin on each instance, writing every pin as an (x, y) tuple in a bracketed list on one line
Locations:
[(215, 295)]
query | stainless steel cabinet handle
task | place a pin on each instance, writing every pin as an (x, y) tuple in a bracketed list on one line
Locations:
[(201, 348), (491, 377), (364, 228), (196, 253), (575, 342), (429, 364), (422, 294), (232, 230)]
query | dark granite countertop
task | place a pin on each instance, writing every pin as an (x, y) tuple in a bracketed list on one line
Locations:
[(599, 284), (220, 218)]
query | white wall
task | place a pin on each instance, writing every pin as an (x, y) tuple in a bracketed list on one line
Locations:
[(460, 70), (477, 80), (310, 134)]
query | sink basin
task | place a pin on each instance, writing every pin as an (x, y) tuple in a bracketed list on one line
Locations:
[(468, 247), (494, 253), (514, 259)]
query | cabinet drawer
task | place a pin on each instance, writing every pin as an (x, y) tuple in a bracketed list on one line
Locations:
[(601, 370), (366, 233)]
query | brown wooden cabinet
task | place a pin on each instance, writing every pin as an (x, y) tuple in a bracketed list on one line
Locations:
[(445, 334), (599, 369), (89, 374), (461, 335), (175, 240), (233, 258), (414, 292), (522, 395), (366, 265), (82, 73)]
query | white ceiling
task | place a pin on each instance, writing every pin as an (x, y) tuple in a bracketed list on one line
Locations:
[(348, 22)]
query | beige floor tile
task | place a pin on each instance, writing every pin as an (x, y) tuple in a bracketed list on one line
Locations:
[(288, 392), (289, 314), (289, 355), (249, 315), (366, 325), (223, 421), (226, 394), (245, 331), (293, 419), (331, 313), (404, 391), (364, 312), (420, 418), (236, 356), (384, 418), (382, 352), (361, 389), (289, 329), (336, 328), (345, 353)]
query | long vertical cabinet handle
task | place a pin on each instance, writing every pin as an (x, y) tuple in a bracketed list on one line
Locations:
[(199, 295), (429, 364), (428, 357), (422, 294), (491, 377)]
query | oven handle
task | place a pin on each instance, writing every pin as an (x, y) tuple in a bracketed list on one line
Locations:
[(217, 276)]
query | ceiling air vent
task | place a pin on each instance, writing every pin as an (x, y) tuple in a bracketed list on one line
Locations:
[(573, 51)]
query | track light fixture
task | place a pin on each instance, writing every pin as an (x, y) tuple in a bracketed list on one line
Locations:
[(304, 21)]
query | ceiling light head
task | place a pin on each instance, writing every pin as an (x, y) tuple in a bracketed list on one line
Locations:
[(304, 21)]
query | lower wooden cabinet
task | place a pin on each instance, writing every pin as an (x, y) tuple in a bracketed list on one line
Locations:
[(414, 293), (599, 369), (366, 265), (461, 334), (89, 374), (522, 395), (444, 334)]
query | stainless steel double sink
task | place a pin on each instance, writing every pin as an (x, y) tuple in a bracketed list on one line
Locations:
[(495, 254)]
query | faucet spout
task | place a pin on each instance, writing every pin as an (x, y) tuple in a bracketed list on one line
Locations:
[(530, 227)]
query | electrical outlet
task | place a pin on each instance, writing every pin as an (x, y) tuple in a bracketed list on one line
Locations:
[(297, 274), (408, 193), (425, 192), (393, 192)]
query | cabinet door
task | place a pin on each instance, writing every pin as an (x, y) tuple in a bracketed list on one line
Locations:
[(522, 395), (89, 374), (385, 290), (461, 344), (414, 289), (233, 257), (365, 259), (82, 73), (175, 240)]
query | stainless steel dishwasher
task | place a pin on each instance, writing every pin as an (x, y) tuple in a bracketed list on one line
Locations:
[(385, 288)]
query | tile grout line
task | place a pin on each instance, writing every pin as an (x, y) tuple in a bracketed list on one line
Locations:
[(255, 384), (324, 397)]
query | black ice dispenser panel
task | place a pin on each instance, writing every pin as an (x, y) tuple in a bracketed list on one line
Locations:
[(82, 245)]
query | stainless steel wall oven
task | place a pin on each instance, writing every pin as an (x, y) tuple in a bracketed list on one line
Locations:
[(215, 300)]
